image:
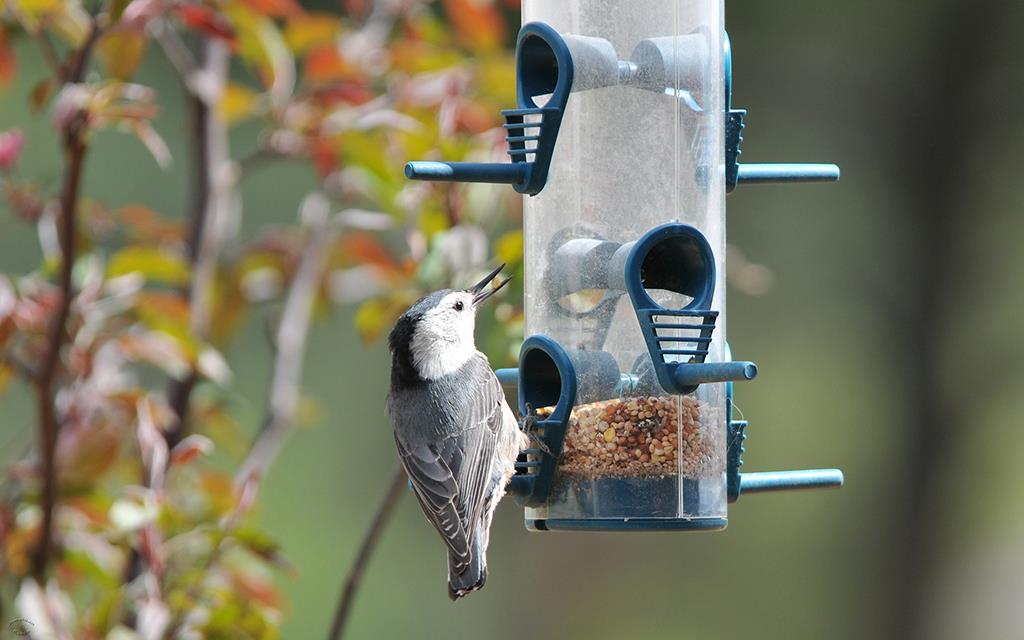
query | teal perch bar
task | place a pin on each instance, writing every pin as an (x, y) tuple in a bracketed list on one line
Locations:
[(783, 172), (764, 481)]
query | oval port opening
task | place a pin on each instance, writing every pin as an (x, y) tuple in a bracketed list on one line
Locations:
[(538, 69), (540, 379), (679, 260), (547, 377)]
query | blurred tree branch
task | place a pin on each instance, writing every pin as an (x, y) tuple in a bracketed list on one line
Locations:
[(213, 179), (151, 531), (355, 573), (74, 148), (290, 342)]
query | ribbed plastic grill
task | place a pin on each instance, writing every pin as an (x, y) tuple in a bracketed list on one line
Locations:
[(679, 335), (524, 131)]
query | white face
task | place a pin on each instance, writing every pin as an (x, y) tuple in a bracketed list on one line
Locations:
[(443, 339)]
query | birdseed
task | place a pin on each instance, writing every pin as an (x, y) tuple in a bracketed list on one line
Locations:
[(644, 436)]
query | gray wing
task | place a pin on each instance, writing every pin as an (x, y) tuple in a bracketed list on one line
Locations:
[(450, 477)]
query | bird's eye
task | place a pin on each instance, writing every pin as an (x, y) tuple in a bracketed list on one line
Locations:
[(459, 306)]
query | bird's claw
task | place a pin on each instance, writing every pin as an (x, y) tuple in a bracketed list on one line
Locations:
[(528, 425)]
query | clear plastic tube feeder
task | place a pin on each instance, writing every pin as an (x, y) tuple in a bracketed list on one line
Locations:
[(619, 141)]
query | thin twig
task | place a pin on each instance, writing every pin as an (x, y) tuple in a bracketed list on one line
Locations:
[(23, 368), (50, 53), (258, 158), (176, 50), (49, 424), (213, 183), (292, 332), (370, 540), (290, 342), (42, 38)]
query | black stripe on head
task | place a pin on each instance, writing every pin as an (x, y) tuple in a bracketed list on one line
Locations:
[(403, 370)]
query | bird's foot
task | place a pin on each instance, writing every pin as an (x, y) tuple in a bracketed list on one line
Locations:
[(528, 425)]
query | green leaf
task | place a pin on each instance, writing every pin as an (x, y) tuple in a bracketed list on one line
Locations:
[(154, 263), (261, 545), (370, 319), (121, 51), (311, 29), (509, 247)]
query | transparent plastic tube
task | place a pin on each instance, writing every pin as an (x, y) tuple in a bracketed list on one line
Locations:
[(641, 144)]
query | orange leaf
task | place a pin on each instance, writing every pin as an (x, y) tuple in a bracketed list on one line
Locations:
[(365, 248), (40, 94), (473, 118), (477, 23), (324, 64), (167, 305), (138, 215), (206, 20), (311, 29)]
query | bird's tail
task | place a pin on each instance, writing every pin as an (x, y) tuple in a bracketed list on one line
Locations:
[(472, 577)]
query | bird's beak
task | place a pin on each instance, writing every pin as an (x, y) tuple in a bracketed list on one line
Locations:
[(481, 291)]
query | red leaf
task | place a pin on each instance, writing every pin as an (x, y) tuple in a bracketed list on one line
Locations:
[(11, 144), (7, 62), (324, 156), (206, 20), (355, 93), (357, 8), (190, 448), (275, 8)]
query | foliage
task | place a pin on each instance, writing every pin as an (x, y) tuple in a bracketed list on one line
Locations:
[(119, 524)]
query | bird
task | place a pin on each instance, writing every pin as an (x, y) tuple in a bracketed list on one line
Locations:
[(457, 438)]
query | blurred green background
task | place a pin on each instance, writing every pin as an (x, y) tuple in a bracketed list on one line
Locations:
[(889, 346)]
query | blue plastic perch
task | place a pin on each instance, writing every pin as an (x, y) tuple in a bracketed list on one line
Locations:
[(491, 172), (787, 172), (692, 374), (764, 481)]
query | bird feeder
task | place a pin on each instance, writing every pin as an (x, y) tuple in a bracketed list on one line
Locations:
[(625, 143)]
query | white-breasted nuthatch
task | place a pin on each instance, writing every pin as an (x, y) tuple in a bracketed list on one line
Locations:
[(457, 437)]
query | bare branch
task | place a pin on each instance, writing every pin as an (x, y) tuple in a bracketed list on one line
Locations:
[(49, 424), (50, 53), (213, 180), (175, 49), (42, 38), (258, 158), (23, 368), (370, 540), (290, 340)]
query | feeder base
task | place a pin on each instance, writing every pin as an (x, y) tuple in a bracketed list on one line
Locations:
[(626, 524)]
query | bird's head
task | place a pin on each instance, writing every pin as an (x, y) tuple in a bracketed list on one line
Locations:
[(435, 336)]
